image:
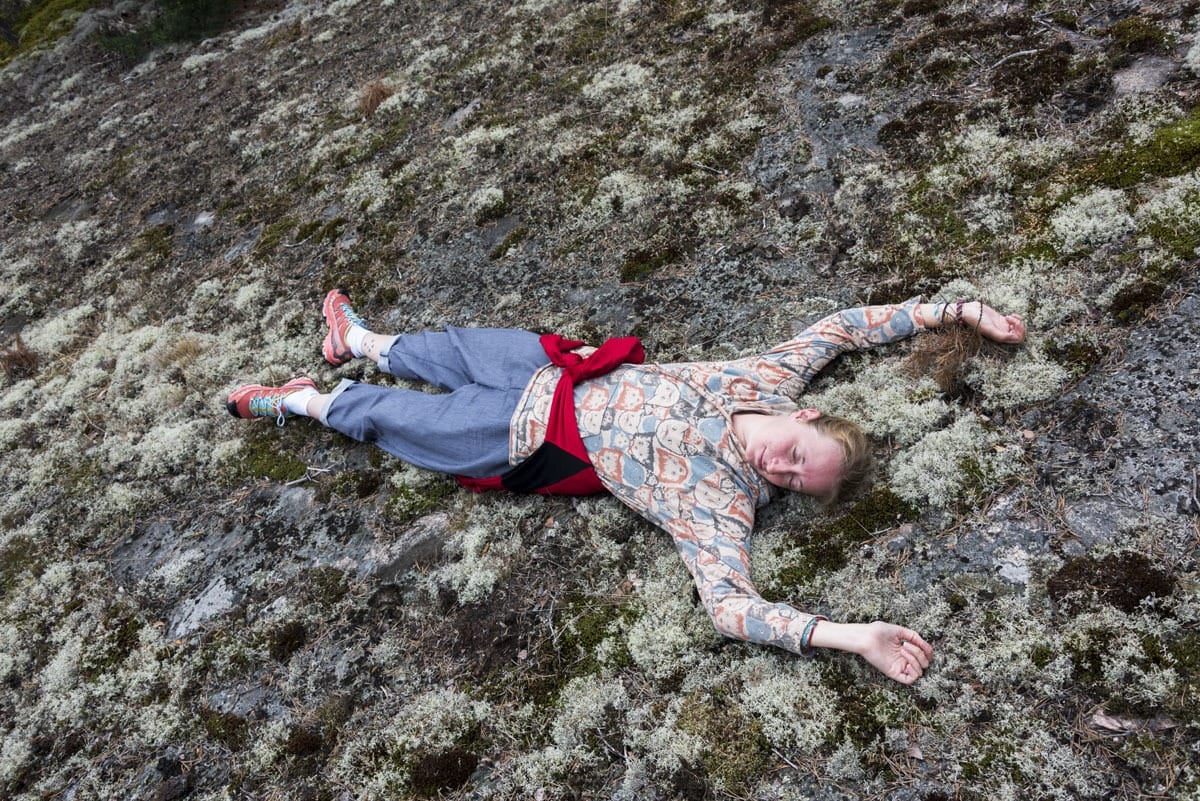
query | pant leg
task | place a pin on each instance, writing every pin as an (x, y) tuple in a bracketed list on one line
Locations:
[(501, 358), (464, 432)]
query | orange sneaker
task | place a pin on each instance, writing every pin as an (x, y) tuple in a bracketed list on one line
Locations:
[(339, 317), (255, 400)]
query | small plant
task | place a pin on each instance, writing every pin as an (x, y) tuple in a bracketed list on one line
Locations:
[(18, 361), (373, 94)]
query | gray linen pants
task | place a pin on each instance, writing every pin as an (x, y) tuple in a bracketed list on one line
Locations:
[(463, 430)]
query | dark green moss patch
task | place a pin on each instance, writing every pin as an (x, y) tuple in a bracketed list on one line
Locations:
[(1121, 580), (152, 247), (737, 750), (303, 740), (225, 727), (1029, 79), (642, 262), (916, 134), (438, 771), (589, 622), (272, 236), (39, 25), (1135, 36), (320, 232), (1172, 150), (827, 548), (508, 243), (1179, 238), (265, 456), (119, 639), (18, 556), (175, 21), (356, 484), (1143, 294), (408, 503), (324, 585), (1075, 351), (285, 639)]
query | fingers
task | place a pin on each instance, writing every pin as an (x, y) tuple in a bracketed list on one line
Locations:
[(910, 637)]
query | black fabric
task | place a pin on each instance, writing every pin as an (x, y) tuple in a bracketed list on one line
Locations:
[(548, 465)]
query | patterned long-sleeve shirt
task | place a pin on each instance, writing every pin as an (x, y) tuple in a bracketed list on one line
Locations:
[(660, 437)]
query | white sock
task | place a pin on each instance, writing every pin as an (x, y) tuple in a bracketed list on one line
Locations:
[(354, 339), (297, 402)]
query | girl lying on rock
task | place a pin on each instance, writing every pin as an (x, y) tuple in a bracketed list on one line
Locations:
[(694, 447)]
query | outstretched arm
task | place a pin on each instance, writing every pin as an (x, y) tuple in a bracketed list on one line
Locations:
[(711, 538), (973, 314), (788, 368), (895, 651)]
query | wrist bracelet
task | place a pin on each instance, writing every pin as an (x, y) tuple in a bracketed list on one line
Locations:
[(806, 635), (958, 318)]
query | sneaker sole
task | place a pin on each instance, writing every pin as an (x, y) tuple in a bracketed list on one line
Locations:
[(329, 348)]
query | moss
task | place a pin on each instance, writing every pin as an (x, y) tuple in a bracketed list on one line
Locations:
[(1173, 150), (641, 262), (1028, 80), (152, 247), (436, 772), (263, 456), (408, 503), (1075, 351), (320, 232), (175, 21), (225, 727), (588, 622), (1180, 240), (916, 8), (285, 639), (827, 548), (741, 54), (18, 556), (303, 740), (737, 752), (325, 585), (1041, 655), (1143, 294), (111, 649), (41, 24), (954, 32), (508, 243), (1137, 35), (915, 135), (354, 484), (272, 236), (1122, 580)]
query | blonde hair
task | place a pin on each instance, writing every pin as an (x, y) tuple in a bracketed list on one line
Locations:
[(856, 453)]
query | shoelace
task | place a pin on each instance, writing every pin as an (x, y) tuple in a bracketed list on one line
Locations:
[(269, 406), (350, 315)]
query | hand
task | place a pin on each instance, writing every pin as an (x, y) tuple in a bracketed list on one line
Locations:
[(992, 324), (895, 651)]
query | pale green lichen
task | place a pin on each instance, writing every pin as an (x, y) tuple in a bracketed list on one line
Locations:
[(1091, 220), (977, 462)]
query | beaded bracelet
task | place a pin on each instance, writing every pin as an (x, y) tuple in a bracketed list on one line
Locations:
[(806, 635)]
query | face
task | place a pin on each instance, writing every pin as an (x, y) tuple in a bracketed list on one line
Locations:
[(789, 452)]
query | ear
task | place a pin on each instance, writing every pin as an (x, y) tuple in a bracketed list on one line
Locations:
[(806, 414)]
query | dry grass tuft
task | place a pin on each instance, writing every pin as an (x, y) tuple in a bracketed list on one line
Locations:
[(18, 361), (947, 354), (372, 95)]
